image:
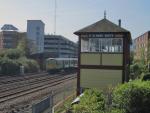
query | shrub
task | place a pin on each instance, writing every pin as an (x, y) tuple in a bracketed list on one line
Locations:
[(91, 102), (146, 77), (33, 66), (12, 59), (24, 46), (30, 66), (117, 111), (137, 69), (13, 53), (9, 67), (132, 97), (23, 62), (2, 53)]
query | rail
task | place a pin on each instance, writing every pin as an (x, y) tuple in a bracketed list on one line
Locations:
[(9, 95)]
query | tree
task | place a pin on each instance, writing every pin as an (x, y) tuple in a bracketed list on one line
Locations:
[(131, 57), (142, 56), (12, 59), (148, 50), (9, 66), (146, 77), (23, 45), (132, 97)]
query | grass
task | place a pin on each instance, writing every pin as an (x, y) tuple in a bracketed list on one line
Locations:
[(65, 105)]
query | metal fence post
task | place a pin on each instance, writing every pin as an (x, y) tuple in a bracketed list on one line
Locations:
[(52, 103)]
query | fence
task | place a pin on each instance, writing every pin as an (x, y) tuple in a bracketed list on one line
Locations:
[(57, 96)]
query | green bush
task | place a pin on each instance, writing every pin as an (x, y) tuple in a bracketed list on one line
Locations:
[(12, 59), (30, 66), (23, 62), (146, 77), (91, 102), (13, 53), (33, 66), (137, 69), (132, 97), (117, 111), (2, 54), (9, 67)]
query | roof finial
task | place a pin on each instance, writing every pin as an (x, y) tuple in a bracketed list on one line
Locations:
[(105, 14)]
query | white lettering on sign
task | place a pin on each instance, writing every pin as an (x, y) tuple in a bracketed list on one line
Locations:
[(102, 36)]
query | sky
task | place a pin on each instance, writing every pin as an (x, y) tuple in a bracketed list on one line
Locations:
[(73, 15)]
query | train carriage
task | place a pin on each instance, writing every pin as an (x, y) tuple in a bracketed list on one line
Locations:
[(54, 65)]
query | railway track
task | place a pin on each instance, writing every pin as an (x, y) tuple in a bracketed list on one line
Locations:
[(32, 87), (26, 86), (25, 82), (13, 84), (12, 79)]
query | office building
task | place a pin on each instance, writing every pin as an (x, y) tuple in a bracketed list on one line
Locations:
[(59, 46), (142, 47), (9, 36), (35, 33)]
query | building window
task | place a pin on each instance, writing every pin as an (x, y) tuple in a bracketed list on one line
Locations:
[(117, 45), (105, 45), (85, 45), (37, 28), (94, 45), (37, 33), (102, 45)]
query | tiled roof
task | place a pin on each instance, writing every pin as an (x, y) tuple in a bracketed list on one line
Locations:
[(9, 27), (103, 25)]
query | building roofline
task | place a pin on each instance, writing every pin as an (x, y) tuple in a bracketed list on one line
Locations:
[(10, 31), (61, 37), (103, 25), (37, 20), (143, 34)]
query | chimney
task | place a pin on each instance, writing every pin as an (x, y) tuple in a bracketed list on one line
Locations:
[(119, 22)]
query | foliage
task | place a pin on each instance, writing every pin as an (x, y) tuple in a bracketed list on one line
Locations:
[(108, 97), (30, 66), (9, 66), (132, 97), (117, 111), (11, 53), (146, 77), (137, 69), (33, 66), (142, 54), (23, 45), (148, 52), (131, 57), (66, 107), (12, 59), (27, 45), (91, 102), (2, 53)]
